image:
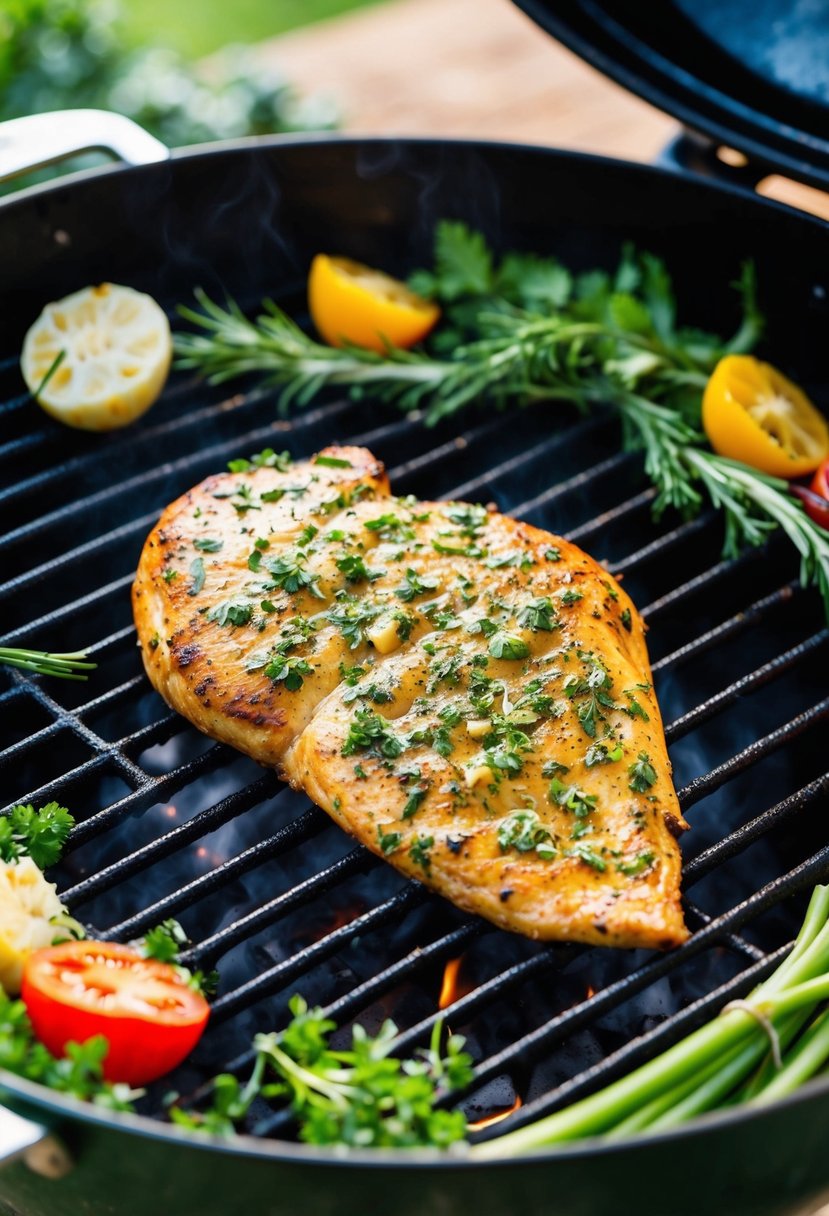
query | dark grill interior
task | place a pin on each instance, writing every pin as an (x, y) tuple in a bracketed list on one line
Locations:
[(273, 894)]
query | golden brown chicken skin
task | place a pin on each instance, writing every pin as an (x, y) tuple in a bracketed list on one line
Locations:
[(467, 695)]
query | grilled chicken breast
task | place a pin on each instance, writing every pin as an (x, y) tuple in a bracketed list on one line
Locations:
[(467, 695)]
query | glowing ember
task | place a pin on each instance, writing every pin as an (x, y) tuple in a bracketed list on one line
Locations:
[(498, 1117), (171, 812), (450, 989), (591, 991)]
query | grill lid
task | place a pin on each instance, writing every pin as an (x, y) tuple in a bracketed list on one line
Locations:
[(757, 80)]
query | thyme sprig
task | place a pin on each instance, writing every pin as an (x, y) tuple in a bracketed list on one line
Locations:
[(525, 329)]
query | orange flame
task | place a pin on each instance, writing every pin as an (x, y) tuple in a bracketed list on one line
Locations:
[(498, 1117), (450, 989), (591, 991)]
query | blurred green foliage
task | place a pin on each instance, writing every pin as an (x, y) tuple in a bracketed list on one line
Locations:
[(59, 54)]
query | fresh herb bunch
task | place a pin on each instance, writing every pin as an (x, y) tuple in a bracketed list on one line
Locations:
[(40, 834), (522, 329), (165, 943), (755, 1052), (70, 666), (361, 1096), (79, 1073)]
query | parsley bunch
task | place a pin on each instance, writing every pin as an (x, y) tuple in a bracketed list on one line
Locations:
[(360, 1096), (40, 835), (79, 1073), (524, 328)]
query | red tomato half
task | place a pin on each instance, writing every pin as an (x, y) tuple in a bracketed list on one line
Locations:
[(147, 1012), (820, 481)]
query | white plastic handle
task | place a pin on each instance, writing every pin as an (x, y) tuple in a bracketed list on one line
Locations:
[(43, 139), (40, 1149)]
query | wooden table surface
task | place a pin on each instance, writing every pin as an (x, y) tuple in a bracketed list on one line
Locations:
[(476, 68)]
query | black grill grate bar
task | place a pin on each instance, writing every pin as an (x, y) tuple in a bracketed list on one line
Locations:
[(343, 1010), (727, 629), (669, 540), (629, 507), (748, 683), (513, 466), (185, 833), (150, 477), (295, 897), (700, 582), (647, 1045), (122, 442), (77, 468), (577, 482), (445, 451), (744, 836), (359, 998), (56, 564), (283, 973), (589, 1009), (298, 831), (152, 790), (706, 783), (18, 447), (694, 915), (58, 615)]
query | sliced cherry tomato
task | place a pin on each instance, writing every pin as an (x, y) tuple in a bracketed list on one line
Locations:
[(752, 413), (350, 302), (820, 481), (149, 1015)]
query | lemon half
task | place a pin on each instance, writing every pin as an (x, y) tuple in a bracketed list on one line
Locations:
[(116, 352)]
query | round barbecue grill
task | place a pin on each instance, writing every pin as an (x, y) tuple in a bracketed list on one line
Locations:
[(272, 893)]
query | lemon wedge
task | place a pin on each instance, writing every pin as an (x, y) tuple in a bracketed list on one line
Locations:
[(115, 350)]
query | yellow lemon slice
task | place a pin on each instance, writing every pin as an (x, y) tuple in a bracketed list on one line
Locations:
[(115, 349), (353, 303)]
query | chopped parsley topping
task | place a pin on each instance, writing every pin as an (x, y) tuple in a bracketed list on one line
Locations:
[(515, 557), (572, 798), (390, 527), (405, 624), (587, 855), (367, 692), (503, 645), (231, 612), (552, 767), (333, 462), (169, 574), (637, 865), (444, 671), (552, 554), (288, 669), (523, 832), (268, 459), (470, 517), (570, 596), (289, 573), (388, 841), (605, 751), (471, 550), (370, 732), (356, 570), (351, 616), (419, 852), (633, 708), (642, 774), (591, 692), (414, 585), (624, 617), (208, 544), (197, 574), (416, 794), (539, 614)]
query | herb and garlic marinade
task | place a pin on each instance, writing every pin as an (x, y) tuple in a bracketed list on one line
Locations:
[(466, 694)]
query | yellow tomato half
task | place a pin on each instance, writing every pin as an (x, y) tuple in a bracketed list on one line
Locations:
[(352, 303), (752, 413)]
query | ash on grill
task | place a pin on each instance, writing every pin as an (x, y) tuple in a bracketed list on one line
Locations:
[(272, 893)]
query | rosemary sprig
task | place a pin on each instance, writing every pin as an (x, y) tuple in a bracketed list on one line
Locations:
[(526, 330), (69, 666)]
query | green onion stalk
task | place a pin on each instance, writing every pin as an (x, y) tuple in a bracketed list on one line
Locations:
[(758, 1050)]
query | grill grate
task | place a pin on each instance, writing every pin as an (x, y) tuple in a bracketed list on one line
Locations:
[(275, 895)]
